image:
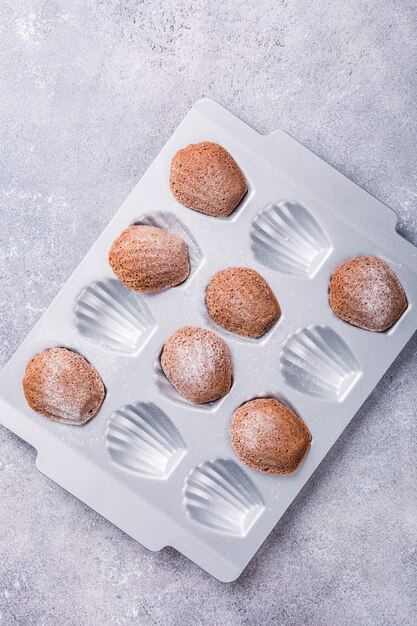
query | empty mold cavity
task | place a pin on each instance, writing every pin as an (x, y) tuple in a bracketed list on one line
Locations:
[(287, 238), (168, 391), (317, 362), (169, 221), (113, 316), (140, 437), (220, 496)]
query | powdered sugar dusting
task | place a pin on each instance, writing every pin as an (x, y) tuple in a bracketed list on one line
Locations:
[(197, 363), (198, 358), (66, 387), (368, 293), (376, 295)]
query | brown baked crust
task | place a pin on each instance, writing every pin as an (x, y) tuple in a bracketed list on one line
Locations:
[(268, 437), (149, 259), (62, 386), (241, 301), (366, 292), (206, 178), (197, 363)]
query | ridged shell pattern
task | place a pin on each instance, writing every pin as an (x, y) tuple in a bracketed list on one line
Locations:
[(169, 221), (220, 496), (109, 314), (287, 238), (317, 362), (140, 437)]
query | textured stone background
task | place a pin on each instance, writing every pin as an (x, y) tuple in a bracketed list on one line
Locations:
[(90, 91)]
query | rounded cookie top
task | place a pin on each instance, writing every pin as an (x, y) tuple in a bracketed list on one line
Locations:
[(268, 437), (61, 385), (241, 301), (197, 363), (147, 258), (366, 292), (206, 178)]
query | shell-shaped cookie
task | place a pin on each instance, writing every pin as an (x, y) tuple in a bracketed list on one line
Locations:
[(63, 386), (206, 178), (220, 496), (110, 315), (317, 362), (267, 436), (140, 437), (365, 292), (287, 238), (197, 363), (241, 301), (149, 259)]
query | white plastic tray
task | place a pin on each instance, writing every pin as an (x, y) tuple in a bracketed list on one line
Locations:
[(299, 220)]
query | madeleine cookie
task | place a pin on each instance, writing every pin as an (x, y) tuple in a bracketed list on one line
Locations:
[(146, 258), (206, 178), (241, 301), (268, 437), (366, 292), (197, 363), (62, 386)]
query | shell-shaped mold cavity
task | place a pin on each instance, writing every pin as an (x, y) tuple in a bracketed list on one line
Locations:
[(287, 238), (113, 316), (219, 495), (317, 362), (140, 437), (169, 221)]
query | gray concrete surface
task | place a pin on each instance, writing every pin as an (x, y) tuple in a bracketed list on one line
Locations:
[(90, 91)]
